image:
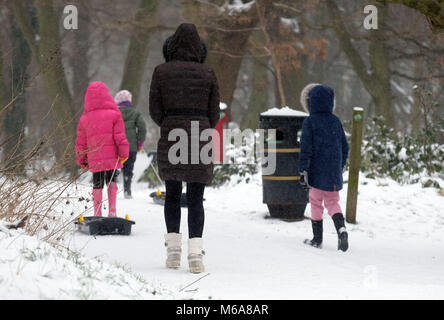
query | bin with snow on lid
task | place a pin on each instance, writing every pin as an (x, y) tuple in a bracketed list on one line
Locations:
[(282, 192)]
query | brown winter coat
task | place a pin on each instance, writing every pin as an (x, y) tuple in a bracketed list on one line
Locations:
[(183, 90)]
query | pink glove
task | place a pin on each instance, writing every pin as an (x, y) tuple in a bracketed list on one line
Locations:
[(140, 145)]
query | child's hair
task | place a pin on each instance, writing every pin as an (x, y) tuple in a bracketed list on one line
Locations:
[(305, 94)]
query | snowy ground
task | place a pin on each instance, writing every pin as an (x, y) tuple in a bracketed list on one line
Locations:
[(33, 269), (396, 249)]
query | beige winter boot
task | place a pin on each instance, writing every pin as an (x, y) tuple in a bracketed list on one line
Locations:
[(173, 242), (195, 255)]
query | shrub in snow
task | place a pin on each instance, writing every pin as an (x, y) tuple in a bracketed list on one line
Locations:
[(403, 157), (240, 166), (150, 176), (40, 197)]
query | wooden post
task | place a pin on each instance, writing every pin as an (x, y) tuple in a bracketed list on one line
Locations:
[(355, 163)]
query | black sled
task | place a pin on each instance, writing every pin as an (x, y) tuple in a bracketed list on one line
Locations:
[(102, 226), (159, 198)]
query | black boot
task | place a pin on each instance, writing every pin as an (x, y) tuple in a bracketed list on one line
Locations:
[(317, 234), (338, 219), (127, 187)]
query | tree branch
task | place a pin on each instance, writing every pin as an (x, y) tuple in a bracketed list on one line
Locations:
[(344, 38), (432, 9), (416, 79)]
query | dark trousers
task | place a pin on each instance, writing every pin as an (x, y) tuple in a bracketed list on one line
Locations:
[(196, 215), (99, 178), (127, 171)]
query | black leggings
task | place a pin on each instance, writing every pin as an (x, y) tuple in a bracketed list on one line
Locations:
[(127, 171), (99, 178), (128, 166), (196, 215)]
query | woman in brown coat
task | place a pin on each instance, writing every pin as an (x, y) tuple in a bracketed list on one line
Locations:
[(184, 90)]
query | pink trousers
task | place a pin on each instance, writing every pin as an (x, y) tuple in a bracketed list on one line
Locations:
[(112, 199), (330, 199)]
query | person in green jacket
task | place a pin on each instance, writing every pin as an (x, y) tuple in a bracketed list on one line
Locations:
[(135, 130)]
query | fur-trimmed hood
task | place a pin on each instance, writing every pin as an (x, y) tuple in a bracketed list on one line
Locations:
[(304, 95), (317, 95)]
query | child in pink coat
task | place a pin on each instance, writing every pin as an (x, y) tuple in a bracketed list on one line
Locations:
[(101, 144)]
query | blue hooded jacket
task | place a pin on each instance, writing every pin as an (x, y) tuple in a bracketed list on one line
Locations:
[(324, 148)]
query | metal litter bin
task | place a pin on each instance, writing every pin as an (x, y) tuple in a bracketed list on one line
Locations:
[(285, 197)]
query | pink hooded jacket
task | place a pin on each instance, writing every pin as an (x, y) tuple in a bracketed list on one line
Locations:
[(101, 136)]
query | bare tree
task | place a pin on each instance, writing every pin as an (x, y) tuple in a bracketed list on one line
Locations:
[(13, 93), (226, 31), (47, 52), (137, 54), (78, 55), (376, 79), (261, 7)]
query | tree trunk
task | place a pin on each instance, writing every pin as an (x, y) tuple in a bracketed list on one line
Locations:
[(3, 99), (78, 58), (416, 115), (48, 55), (14, 119), (54, 79), (226, 67), (296, 79), (269, 27), (137, 54), (293, 82), (226, 37), (380, 65), (259, 94)]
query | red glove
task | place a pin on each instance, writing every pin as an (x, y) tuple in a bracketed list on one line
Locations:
[(84, 166), (122, 159)]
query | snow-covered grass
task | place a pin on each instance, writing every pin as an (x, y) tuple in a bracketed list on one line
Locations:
[(33, 269), (396, 251)]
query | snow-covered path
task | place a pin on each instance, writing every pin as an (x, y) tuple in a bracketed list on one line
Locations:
[(396, 249)]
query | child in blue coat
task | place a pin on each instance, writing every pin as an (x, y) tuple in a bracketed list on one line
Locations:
[(324, 151)]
